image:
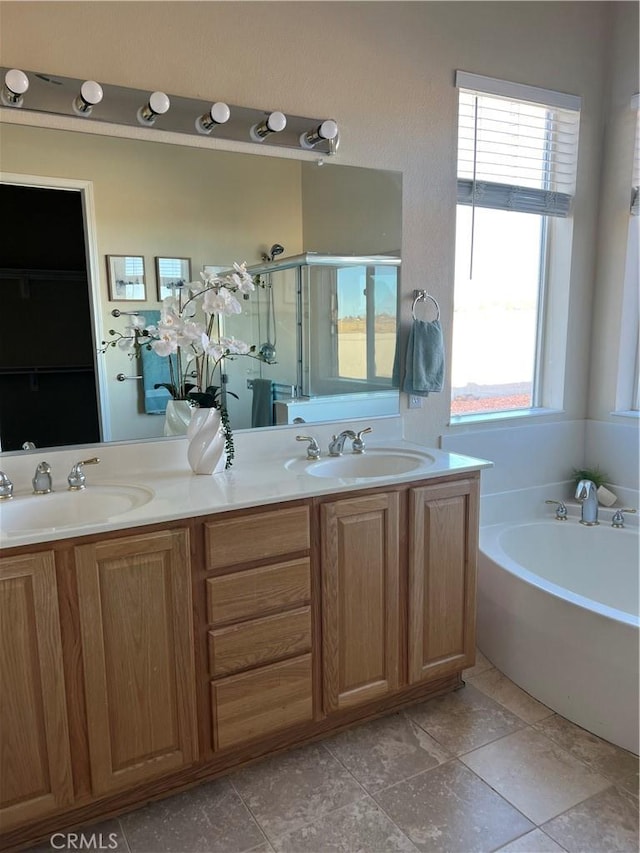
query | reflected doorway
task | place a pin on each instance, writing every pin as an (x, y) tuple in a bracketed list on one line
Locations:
[(48, 390)]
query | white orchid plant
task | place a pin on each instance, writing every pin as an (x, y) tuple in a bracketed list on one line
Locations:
[(187, 335)]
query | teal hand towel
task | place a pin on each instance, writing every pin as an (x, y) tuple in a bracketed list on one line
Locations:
[(262, 403), (155, 370), (424, 367)]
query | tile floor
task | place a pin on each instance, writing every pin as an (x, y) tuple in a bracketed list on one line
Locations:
[(487, 768)]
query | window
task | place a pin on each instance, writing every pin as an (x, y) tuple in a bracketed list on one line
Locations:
[(365, 322), (517, 152)]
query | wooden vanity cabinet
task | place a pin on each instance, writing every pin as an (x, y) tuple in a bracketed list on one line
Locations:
[(137, 642), (35, 779), (259, 614), (360, 599), (293, 621), (443, 541), (398, 589)]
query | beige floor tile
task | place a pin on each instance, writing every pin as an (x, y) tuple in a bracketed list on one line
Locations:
[(106, 835), (288, 791), (497, 686), (211, 817), (360, 827), (533, 842), (449, 809), (535, 774), (464, 720), (386, 751), (480, 665), (605, 823), (611, 761)]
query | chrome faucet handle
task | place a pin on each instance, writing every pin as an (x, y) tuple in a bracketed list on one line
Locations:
[(618, 517), (28, 445), (561, 509), (76, 478), (6, 487), (41, 481), (358, 443), (336, 445), (313, 450)]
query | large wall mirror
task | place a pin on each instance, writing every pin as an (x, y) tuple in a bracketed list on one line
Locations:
[(163, 208)]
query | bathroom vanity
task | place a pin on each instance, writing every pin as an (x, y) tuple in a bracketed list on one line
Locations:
[(225, 619)]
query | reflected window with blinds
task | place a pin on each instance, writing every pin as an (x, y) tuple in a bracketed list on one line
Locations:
[(517, 157)]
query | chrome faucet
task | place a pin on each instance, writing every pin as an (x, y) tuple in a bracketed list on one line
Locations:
[(313, 450), (42, 483), (586, 493), (6, 487), (336, 445), (76, 478), (358, 443)]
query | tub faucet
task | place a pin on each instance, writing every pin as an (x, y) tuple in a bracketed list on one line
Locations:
[(586, 493)]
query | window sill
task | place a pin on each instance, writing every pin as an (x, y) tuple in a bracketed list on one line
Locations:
[(493, 417), (634, 414)]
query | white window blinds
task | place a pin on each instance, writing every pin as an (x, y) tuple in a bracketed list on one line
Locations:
[(517, 146)]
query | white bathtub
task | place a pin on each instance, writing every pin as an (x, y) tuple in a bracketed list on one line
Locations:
[(558, 614)]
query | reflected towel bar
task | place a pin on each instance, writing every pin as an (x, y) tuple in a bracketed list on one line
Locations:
[(121, 377)]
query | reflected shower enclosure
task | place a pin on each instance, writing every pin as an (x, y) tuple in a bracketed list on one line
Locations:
[(325, 326)]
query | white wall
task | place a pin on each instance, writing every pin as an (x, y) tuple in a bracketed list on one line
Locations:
[(383, 70)]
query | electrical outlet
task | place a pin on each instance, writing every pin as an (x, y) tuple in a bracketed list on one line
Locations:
[(415, 402)]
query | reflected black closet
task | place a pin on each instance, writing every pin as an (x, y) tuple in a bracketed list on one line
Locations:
[(47, 367)]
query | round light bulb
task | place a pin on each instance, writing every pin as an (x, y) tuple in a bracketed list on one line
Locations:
[(220, 112), (326, 130), (16, 81), (159, 103), (16, 84), (91, 92), (276, 122)]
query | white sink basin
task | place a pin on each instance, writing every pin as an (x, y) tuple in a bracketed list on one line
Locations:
[(70, 509), (372, 464)]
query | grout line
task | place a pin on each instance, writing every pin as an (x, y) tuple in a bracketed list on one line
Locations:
[(251, 814), (124, 835)]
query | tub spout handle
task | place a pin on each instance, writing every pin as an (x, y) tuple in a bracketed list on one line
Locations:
[(561, 510), (618, 517)]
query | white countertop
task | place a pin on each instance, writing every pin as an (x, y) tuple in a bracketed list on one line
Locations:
[(158, 473)]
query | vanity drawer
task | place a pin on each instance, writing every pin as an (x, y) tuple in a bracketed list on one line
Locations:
[(263, 535), (259, 641), (262, 701), (254, 592)]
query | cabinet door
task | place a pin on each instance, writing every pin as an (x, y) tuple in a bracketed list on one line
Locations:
[(138, 654), (35, 778), (360, 599), (443, 541)]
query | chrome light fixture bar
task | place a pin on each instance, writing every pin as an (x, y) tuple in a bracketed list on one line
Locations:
[(100, 102)]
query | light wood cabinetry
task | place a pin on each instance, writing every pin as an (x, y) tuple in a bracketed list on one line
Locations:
[(260, 637), (443, 524), (127, 672), (138, 657), (360, 599), (35, 776)]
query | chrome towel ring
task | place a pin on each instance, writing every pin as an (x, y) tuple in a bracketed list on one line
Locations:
[(423, 296)]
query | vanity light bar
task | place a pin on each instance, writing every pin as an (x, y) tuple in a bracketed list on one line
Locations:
[(35, 91)]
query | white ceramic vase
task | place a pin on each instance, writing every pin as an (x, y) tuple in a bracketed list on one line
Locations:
[(177, 417), (206, 451)]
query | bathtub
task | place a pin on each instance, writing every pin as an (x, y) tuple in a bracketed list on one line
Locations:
[(558, 614)]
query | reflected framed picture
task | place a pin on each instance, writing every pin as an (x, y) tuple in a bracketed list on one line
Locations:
[(172, 273), (126, 278)]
